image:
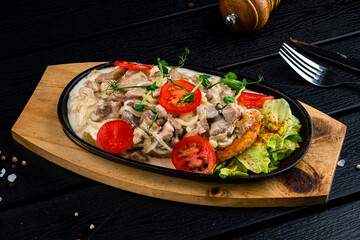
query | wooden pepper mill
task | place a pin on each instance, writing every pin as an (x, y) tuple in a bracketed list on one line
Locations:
[(246, 15)]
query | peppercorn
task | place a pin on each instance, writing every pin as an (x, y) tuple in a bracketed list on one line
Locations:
[(23, 162), (3, 157), (14, 159), (13, 166), (11, 184)]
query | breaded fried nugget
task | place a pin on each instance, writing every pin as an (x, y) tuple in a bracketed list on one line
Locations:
[(89, 139), (240, 144)]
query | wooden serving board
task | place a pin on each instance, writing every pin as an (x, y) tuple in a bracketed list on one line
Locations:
[(308, 183)]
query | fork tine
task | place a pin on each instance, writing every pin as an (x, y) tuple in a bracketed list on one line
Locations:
[(298, 60), (295, 66), (298, 55)]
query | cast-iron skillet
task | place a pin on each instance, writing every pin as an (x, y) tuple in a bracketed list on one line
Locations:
[(306, 132)]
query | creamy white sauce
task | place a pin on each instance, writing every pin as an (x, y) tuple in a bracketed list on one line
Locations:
[(79, 112), (73, 117)]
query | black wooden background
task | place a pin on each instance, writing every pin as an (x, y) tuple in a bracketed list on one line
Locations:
[(42, 204)]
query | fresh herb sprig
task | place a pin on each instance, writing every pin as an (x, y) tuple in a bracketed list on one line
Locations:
[(230, 79), (189, 97), (140, 107), (162, 65), (112, 86)]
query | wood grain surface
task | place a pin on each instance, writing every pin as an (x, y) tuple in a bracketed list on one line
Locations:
[(43, 33), (308, 183)]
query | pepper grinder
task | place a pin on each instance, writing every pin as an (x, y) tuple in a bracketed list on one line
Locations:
[(246, 15)]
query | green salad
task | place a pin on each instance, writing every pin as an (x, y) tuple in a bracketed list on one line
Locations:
[(278, 138)]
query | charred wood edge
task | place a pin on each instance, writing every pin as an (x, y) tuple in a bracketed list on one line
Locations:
[(109, 32), (293, 214)]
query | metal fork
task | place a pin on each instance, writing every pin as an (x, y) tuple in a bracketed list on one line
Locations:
[(311, 71)]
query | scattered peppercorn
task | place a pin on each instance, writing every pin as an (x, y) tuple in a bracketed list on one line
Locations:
[(358, 167), (14, 159), (13, 166), (191, 5), (3, 157), (76, 214), (23, 162), (92, 226)]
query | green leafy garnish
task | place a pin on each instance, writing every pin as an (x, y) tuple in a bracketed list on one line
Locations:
[(204, 79), (140, 107), (112, 86), (183, 58), (162, 64), (230, 79), (189, 97)]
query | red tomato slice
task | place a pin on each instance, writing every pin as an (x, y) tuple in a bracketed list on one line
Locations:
[(251, 100), (193, 154), (134, 66), (115, 136), (170, 95)]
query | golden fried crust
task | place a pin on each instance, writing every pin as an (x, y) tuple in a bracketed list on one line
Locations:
[(240, 144), (89, 139)]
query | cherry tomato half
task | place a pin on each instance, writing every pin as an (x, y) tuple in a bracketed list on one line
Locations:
[(115, 136), (253, 100), (134, 66), (193, 154), (170, 95)]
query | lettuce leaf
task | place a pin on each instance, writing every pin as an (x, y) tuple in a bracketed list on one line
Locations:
[(234, 168), (230, 167), (255, 158), (277, 140), (278, 117)]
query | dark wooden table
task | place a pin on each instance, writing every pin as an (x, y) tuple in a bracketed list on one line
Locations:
[(42, 202)]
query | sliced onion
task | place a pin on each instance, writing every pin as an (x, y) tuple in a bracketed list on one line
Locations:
[(189, 123), (147, 141), (226, 142), (218, 137)]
